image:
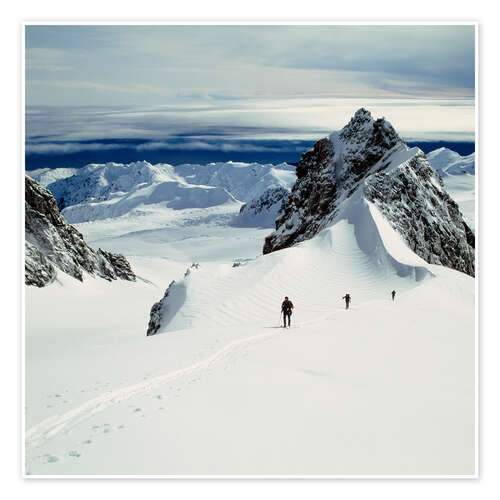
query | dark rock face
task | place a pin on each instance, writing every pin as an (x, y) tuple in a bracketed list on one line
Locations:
[(52, 243), (413, 200), (364, 142), (156, 314), (119, 264), (310, 205), (368, 157), (39, 271)]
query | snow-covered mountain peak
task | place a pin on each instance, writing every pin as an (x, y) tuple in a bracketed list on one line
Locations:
[(444, 153), (363, 128), (448, 162), (100, 182), (367, 162), (362, 120), (361, 144)]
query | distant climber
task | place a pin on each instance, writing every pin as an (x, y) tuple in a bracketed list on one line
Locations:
[(286, 309), (347, 299), (393, 293)]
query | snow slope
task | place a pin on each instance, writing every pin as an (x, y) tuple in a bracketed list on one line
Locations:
[(46, 176), (448, 162), (384, 388), (458, 173), (245, 181)]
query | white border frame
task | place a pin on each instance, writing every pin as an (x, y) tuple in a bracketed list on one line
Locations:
[(23, 25)]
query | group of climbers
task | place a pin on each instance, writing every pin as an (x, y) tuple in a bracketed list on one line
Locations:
[(287, 307)]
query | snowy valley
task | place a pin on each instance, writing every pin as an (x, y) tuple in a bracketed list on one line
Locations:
[(219, 387)]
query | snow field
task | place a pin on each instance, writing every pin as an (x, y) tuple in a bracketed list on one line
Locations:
[(384, 388)]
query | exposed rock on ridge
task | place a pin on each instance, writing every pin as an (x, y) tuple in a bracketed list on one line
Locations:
[(156, 314), (52, 243), (368, 156), (263, 211)]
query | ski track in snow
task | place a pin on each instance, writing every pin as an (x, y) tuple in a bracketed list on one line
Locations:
[(237, 300), (52, 426)]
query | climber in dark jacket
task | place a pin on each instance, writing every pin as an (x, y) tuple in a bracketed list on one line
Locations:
[(286, 309), (393, 293), (347, 299)]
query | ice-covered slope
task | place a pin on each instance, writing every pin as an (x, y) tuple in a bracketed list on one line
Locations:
[(367, 158)]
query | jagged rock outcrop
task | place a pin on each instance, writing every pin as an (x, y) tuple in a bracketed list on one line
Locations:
[(263, 210), (310, 205), (52, 243), (367, 156), (169, 305), (38, 270), (156, 314), (119, 264)]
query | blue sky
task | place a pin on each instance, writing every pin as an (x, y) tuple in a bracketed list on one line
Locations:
[(242, 83)]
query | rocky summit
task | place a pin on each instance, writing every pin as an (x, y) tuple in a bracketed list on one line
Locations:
[(368, 159), (52, 243)]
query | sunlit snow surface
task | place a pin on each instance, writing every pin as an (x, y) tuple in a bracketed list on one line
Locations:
[(458, 173), (384, 388)]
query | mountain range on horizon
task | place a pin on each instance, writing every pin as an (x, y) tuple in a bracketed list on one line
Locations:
[(129, 150)]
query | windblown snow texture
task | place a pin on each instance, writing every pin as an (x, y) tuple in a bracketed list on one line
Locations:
[(52, 243), (368, 157)]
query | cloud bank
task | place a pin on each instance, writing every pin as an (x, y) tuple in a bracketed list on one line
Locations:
[(99, 65)]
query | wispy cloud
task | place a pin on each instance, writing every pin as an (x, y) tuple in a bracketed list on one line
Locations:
[(225, 146), (46, 59), (284, 119), (67, 147), (144, 64)]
